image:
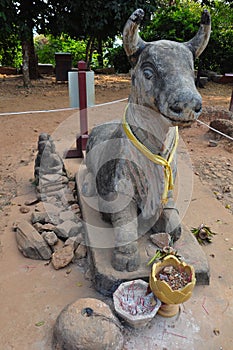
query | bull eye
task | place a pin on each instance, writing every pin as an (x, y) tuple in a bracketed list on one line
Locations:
[(148, 73)]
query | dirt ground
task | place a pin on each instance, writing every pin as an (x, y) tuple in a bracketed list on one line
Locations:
[(18, 145), (19, 133)]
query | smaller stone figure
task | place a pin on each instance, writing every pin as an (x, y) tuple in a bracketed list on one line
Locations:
[(47, 160)]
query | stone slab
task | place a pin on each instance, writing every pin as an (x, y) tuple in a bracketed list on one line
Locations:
[(99, 241)]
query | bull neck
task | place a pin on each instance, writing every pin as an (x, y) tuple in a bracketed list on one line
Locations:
[(154, 157)]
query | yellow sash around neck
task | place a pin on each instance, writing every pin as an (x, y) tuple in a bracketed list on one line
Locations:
[(168, 177)]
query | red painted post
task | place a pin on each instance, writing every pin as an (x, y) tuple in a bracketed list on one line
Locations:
[(82, 67), (231, 102), (81, 140)]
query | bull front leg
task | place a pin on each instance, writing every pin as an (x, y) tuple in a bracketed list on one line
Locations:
[(169, 220), (125, 255)]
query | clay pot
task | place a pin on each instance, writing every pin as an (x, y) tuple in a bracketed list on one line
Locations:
[(169, 297), (127, 302)]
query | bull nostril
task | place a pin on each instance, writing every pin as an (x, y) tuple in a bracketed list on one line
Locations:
[(197, 109), (176, 109)]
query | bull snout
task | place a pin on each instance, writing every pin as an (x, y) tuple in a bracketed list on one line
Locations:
[(185, 106)]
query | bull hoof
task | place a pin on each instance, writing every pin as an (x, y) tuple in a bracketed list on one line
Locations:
[(169, 222), (128, 262)]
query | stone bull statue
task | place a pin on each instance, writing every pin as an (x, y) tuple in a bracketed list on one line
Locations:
[(132, 164)]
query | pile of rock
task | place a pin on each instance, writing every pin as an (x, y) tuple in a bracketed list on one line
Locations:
[(56, 230), (210, 113)]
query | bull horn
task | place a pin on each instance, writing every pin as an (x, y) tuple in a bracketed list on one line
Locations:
[(199, 42), (132, 42)]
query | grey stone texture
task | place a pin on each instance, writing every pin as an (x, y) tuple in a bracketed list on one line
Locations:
[(106, 278), (87, 324), (223, 125), (67, 229), (57, 227), (31, 243), (126, 181), (50, 237)]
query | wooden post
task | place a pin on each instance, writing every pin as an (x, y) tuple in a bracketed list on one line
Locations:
[(231, 102), (81, 140)]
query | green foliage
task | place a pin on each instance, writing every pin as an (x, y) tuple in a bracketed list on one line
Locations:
[(46, 47), (118, 59), (219, 53), (99, 21), (10, 52), (180, 23)]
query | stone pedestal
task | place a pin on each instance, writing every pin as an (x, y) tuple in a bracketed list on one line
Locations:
[(99, 241)]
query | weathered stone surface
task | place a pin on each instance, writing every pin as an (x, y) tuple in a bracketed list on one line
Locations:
[(23, 209), (59, 245), (48, 227), (38, 226), (68, 198), (44, 218), (75, 330), (213, 143), (62, 257), (49, 188), (50, 237), (39, 207), (55, 178), (31, 201), (216, 112), (67, 229), (161, 239), (75, 208), (58, 194), (106, 279), (80, 252), (74, 241), (31, 243), (67, 215), (47, 160), (223, 125)]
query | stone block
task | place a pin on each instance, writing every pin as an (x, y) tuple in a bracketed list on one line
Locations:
[(67, 229), (31, 243), (50, 237), (105, 278), (62, 257), (87, 324), (67, 215), (45, 218), (80, 252), (74, 241)]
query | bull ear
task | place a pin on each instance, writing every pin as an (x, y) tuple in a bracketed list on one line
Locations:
[(199, 42), (132, 42)]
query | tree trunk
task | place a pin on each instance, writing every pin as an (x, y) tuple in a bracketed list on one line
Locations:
[(30, 66), (88, 47), (91, 50), (25, 68), (33, 62), (100, 53)]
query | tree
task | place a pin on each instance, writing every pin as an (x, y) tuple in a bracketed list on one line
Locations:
[(181, 21), (20, 18), (8, 34), (100, 22), (219, 53)]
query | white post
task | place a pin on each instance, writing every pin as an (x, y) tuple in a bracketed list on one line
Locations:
[(73, 89)]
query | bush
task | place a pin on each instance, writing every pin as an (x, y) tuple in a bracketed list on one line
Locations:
[(46, 47), (181, 22), (118, 59)]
